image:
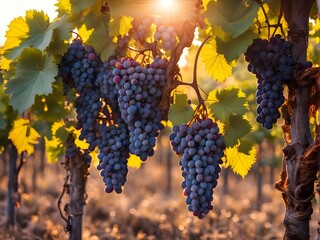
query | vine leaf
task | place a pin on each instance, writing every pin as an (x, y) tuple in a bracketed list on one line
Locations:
[(102, 43), (23, 136), (120, 26), (78, 5), (134, 161), (56, 147), (226, 102), (34, 74), (240, 162), (236, 128), (61, 32), (35, 30), (180, 112), (235, 20), (215, 63), (239, 45), (52, 107), (63, 7)]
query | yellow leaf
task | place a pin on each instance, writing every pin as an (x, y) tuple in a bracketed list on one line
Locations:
[(240, 162), (94, 158), (18, 30), (55, 126), (85, 33), (82, 144), (5, 63), (23, 136), (54, 149), (120, 26), (134, 161), (215, 63), (64, 6)]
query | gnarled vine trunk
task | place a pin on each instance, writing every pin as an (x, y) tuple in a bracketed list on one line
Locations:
[(77, 170), (300, 153)]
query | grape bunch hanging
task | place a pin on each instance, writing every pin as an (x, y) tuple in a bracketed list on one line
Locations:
[(200, 146), (117, 107), (272, 64)]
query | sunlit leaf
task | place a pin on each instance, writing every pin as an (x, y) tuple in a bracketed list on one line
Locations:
[(226, 102), (120, 26), (239, 162), (180, 111), (63, 7), (102, 43), (55, 149), (234, 20), (94, 158), (236, 128), (33, 31), (23, 136), (85, 33), (35, 73), (134, 161), (215, 63)]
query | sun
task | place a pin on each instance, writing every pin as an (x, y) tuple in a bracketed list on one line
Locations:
[(166, 5)]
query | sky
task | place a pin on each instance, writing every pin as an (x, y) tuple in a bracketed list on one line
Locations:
[(11, 9)]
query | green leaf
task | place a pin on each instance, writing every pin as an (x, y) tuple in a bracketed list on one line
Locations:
[(51, 108), (35, 72), (227, 102), (33, 31), (240, 162), (61, 34), (79, 5), (180, 112), (235, 129), (216, 64), (102, 43), (246, 144), (239, 45), (234, 20)]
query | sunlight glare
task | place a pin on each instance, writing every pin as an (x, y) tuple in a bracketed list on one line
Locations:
[(167, 3)]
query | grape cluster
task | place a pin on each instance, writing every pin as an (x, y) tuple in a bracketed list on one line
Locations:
[(81, 65), (139, 91), (201, 149), (117, 107), (272, 64), (167, 37), (141, 29), (114, 152), (122, 47)]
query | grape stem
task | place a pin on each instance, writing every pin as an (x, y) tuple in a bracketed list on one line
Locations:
[(194, 83), (269, 25)]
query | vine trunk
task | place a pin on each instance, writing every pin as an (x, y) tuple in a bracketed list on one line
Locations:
[(299, 159)]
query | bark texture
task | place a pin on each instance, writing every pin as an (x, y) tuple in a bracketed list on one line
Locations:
[(12, 187), (300, 153), (77, 169)]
